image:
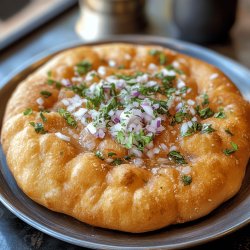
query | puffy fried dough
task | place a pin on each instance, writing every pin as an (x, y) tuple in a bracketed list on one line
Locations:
[(136, 177)]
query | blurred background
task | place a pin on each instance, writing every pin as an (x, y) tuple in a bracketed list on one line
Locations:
[(29, 27)]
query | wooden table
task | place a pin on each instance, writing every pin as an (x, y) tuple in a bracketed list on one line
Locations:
[(15, 234)]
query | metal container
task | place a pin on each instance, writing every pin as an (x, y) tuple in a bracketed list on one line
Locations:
[(204, 21), (101, 18)]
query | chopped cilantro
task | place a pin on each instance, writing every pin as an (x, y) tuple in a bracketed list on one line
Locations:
[(163, 107), (99, 154), (154, 52), (204, 113), (67, 116), (49, 73), (121, 66), (176, 157), (38, 127), (205, 99), (112, 104), (184, 89), (170, 91), (167, 81), (171, 67), (45, 93), (83, 67), (186, 179), (120, 137), (229, 151), (229, 132), (192, 129), (79, 89), (140, 140), (57, 84), (128, 157), (113, 90), (221, 114), (129, 77), (207, 128), (28, 111), (129, 141), (160, 54), (96, 100), (117, 161), (110, 154), (178, 117), (162, 58), (43, 117), (148, 90)]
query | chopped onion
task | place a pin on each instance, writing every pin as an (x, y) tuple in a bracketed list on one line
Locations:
[(101, 134), (135, 93), (150, 154), (186, 170), (138, 161), (91, 128), (135, 151), (66, 82), (190, 102), (40, 101), (180, 84), (213, 76), (148, 109), (116, 120), (163, 146), (62, 136), (101, 70), (65, 102)]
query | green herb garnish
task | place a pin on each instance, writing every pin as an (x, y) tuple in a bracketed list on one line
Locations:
[(67, 116), (121, 66), (79, 89), (129, 77), (49, 73), (207, 128), (128, 157), (99, 154), (43, 117), (192, 129), (176, 157), (83, 67), (229, 151), (38, 127), (117, 161), (28, 111), (130, 139), (97, 99), (221, 114), (171, 67), (205, 99), (110, 154), (45, 93), (186, 179), (160, 54), (178, 117), (204, 113), (57, 84), (229, 132)]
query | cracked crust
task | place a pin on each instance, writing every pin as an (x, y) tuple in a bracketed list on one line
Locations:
[(66, 178)]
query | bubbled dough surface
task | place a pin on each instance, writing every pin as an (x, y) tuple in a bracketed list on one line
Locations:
[(57, 175)]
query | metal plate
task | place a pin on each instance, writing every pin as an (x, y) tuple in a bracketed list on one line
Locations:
[(230, 216)]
